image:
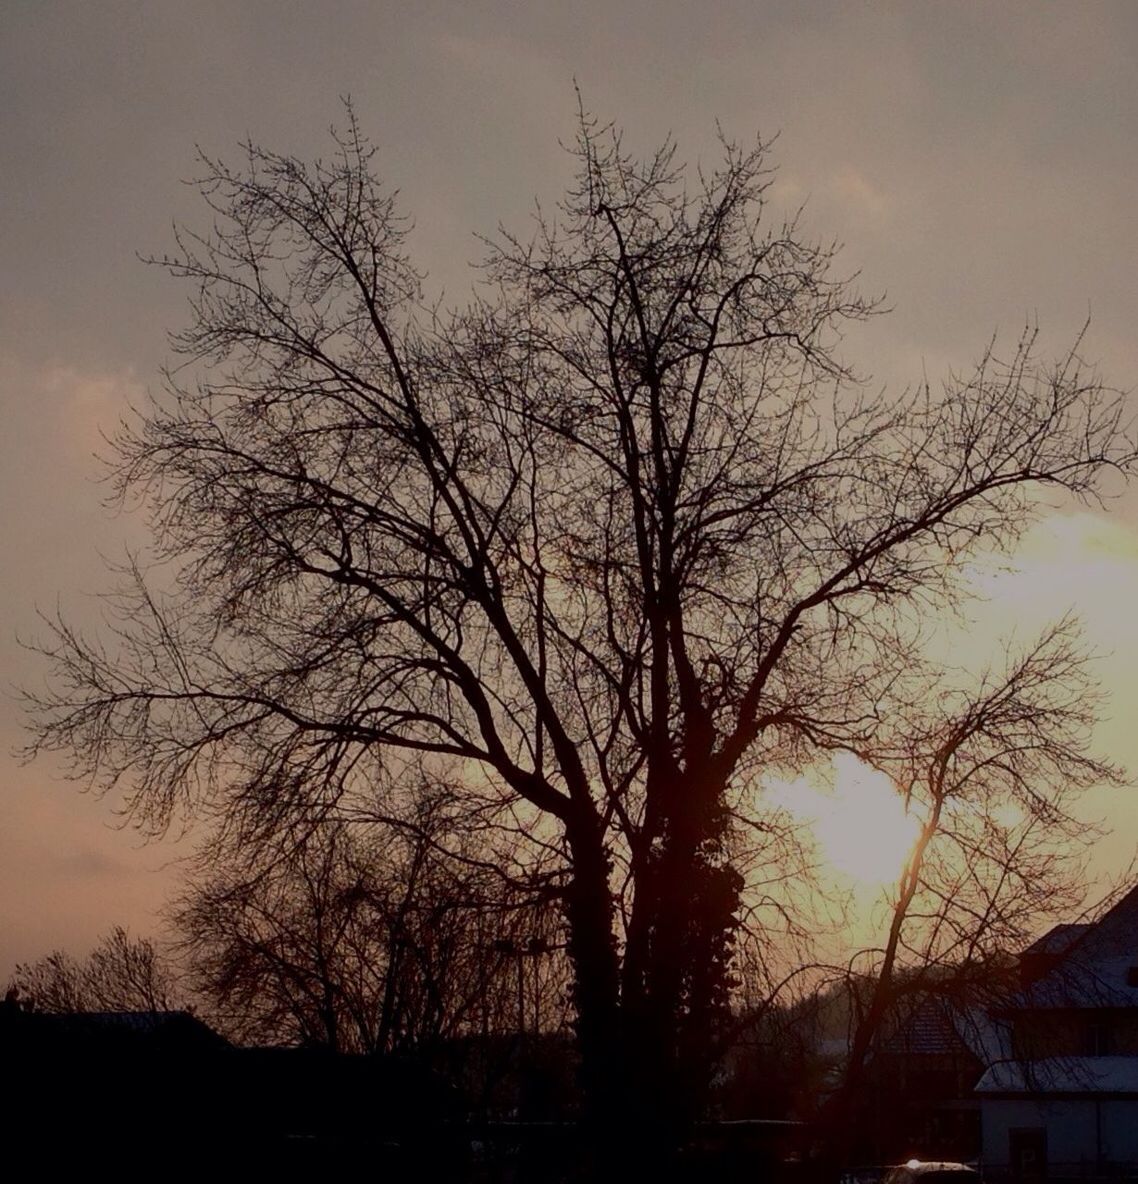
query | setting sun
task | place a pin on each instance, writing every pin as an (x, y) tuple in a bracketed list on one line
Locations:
[(857, 818)]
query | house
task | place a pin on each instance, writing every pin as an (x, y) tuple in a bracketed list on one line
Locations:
[(919, 1097), (98, 1033), (1034, 1073), (161, 1091), (1064, 1103)]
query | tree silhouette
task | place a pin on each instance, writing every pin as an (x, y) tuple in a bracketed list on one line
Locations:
[(122, 973), (357, 940), (597, 551)]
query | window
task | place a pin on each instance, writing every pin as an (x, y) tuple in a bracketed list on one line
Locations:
[(1098, 1041)]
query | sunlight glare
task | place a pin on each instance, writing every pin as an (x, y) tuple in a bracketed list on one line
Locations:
[(857, 817)]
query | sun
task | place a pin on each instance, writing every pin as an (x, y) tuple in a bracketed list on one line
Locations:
[(866, 833), (857, 817)]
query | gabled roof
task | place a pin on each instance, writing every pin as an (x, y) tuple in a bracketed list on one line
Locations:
[(1062, 1075), (1057, 940), (1116, 931), (927, 1032), (1093, 970), (944, 1026), (988, 1038), (170, 1031), (141, 1023)]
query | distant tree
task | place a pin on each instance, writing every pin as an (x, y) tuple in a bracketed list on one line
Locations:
[(358, 941), (602, 548), (120, 974)]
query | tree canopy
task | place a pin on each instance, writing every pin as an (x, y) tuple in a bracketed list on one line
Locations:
[(595, 552)]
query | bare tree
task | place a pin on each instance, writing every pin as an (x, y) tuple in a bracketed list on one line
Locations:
[(358, 940), (992, 770), (120, 974), (602, 547)]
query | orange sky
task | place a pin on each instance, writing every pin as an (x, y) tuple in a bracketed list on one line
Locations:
[(979, 161)]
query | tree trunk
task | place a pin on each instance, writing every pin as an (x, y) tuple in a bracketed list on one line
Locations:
[(592, 948), (676, 981)]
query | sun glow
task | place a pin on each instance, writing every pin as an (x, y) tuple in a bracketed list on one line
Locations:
[(857, 817)]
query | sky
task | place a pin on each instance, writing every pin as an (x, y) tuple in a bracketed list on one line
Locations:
[(978, 161)]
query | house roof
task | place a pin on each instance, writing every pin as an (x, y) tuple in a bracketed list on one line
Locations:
[(1062, 1075), (1094, 968), (945, 1026), (143, 1023), (988, 1038), (928, 1031), (168, 1030), (1057, 940)]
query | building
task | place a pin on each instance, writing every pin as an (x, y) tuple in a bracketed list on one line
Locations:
[(1064, 1103), (162, 1093), (920, 1083)]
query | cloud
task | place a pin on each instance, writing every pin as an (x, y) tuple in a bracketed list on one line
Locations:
[(853, 188), (1079, 560), (66, 875), (87, 407)]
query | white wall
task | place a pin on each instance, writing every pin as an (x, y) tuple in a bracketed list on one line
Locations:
[(1120, 1130), (1072, 1138)]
